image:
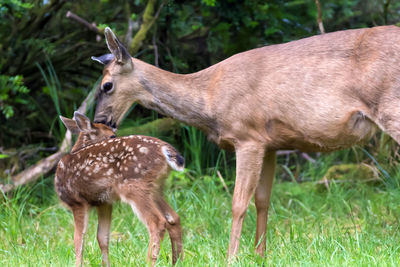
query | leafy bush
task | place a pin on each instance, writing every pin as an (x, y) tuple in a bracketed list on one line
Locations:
[(12, 90)]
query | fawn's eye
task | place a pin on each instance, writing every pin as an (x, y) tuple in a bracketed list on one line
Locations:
[(112, 136), (107, 87)]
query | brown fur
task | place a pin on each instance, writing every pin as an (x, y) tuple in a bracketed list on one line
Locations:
[(316, 94), (131, 169)]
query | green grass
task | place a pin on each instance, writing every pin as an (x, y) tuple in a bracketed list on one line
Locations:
[(353, 225)]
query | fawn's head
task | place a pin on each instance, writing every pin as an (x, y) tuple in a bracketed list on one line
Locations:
[(120, 86), (88, 132)]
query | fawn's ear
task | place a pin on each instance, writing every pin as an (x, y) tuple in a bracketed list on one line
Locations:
[(83, 122), (70, 124)]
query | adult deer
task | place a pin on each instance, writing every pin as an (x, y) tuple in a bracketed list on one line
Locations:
[(316, 94), (102, 169)]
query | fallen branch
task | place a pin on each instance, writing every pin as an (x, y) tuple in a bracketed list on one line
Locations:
[(45, 165)]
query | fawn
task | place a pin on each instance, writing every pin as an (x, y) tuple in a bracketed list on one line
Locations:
[(102, 169)]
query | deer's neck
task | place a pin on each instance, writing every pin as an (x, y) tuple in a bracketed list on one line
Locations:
[(80, 143), (83, 141), (183, 97)]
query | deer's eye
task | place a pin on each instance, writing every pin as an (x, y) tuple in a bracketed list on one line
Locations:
[(107, 87)]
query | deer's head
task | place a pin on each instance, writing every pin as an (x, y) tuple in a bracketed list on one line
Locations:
[(120, 86), (88, 133)]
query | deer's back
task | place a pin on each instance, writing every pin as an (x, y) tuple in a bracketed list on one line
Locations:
[(308, 93), (97, 173)]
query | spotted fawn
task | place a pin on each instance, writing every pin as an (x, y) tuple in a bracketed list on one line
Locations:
[(102, 169)]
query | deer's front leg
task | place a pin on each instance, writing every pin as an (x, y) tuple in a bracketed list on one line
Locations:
[(249, 159), (262, 200), (81, 215)]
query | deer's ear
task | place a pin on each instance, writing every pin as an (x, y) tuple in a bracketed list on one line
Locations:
[(70, 124), (83, 122), (120, 53), (104, 59)]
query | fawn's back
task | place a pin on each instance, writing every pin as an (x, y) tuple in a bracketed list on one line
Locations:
[(100, 172)]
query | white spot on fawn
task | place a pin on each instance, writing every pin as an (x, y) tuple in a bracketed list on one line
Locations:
[(96, 168), (110, 171), (143, 150)]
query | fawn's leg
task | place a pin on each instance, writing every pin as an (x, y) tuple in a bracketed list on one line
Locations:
[(81, 214), (103, 231), (249, 159), (173, 227), (148, 212), (262, 200)]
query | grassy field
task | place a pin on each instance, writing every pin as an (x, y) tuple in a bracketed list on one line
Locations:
[(349, 225)]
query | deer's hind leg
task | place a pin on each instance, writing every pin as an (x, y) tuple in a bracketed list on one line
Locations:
[(262, 200), (173, 227)]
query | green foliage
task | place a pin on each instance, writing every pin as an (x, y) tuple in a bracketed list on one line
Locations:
[(346, 226), (16, 7), (12, 90), (188, 35)]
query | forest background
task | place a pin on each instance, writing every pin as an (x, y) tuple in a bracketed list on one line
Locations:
[(46, 71)]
